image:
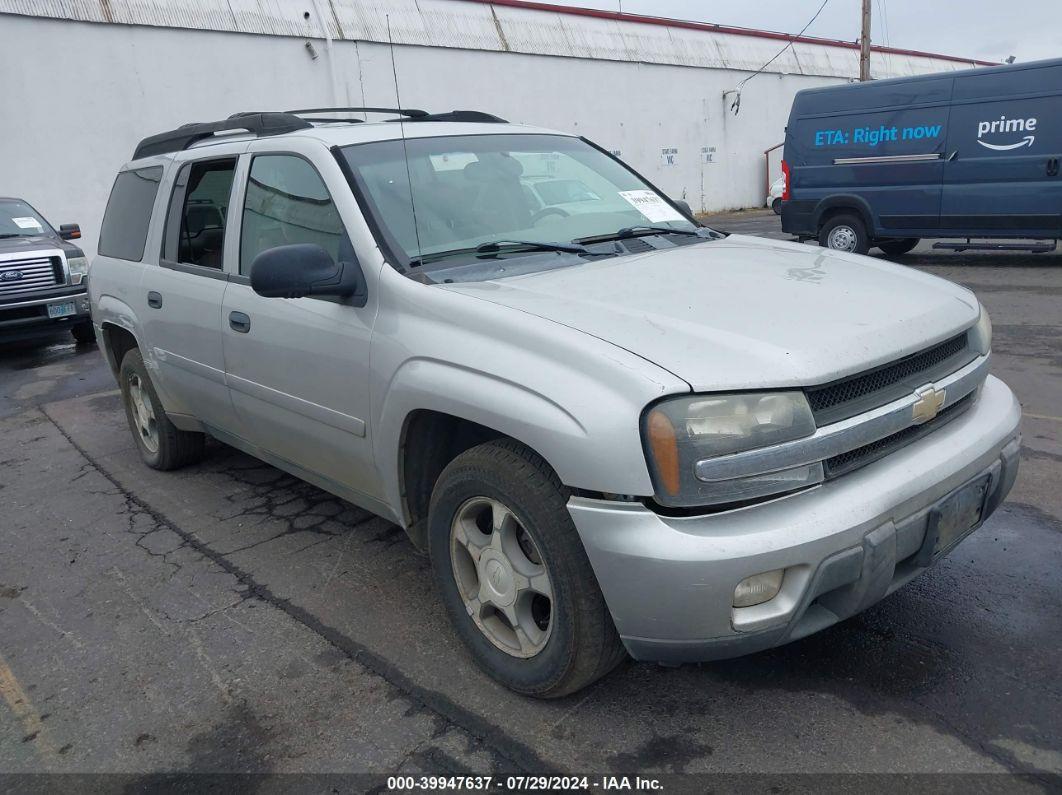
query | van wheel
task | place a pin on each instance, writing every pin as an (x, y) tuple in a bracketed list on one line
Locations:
[(896, 248), (776, 205), (845, 233), (513, 575), (161, 444)]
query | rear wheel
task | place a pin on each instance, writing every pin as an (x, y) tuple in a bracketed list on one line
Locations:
[(896, 248), (161, 444), (776, 205), (845, 232), (513, 574)]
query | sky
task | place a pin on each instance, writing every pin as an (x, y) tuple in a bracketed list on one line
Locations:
[(983, 29)]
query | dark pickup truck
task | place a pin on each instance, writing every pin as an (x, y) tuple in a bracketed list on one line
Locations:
[(43, 277)]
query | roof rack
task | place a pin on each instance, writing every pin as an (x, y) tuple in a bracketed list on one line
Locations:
[(258, 124), (476, 116), (265, 124), (409, 112)]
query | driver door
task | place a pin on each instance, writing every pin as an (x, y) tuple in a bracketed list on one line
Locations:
[(298, 369)]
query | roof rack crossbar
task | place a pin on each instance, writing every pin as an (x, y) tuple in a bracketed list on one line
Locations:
[(257, 124), (407, 112), (473, 116)]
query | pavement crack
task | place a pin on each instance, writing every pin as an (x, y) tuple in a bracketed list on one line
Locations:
[(517, 754)]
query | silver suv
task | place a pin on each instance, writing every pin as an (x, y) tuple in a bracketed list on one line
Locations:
[(612, 429)]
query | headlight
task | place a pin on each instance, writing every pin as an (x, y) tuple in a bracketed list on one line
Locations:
[(682, 431), (981, 334), (78, 267)]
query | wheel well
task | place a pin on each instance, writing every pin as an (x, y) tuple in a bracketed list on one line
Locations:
[(430, 441), (117, 343), (843, 209)]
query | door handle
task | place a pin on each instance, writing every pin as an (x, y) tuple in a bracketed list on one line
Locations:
[(238, 321), (155, 300), (1052, 166)]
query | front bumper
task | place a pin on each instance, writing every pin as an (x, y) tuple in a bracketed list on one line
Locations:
[(28, 317), (669, 581)]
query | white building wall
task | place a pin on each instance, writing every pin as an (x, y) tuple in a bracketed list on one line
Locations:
[(80, 95)]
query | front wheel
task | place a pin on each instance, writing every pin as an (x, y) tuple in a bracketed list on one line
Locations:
[(776, 205), (513, 574), (83, 333), (845, 233), (896, 248)]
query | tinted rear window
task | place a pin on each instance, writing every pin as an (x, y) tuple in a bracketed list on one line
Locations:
[(125, 222)]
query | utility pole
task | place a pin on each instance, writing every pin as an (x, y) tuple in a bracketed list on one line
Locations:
[(864, 44)]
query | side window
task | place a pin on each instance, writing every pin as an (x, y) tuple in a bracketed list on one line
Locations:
[(199, 207), (125, 221), (287, 202)]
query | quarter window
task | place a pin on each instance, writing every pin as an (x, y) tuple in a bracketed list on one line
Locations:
[(287, 202), (199, 208), (125, 221)]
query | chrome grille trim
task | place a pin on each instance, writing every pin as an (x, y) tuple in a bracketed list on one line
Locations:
[(41, 270), (841, 437)]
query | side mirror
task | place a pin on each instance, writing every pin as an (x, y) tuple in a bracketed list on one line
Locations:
[(70, 232), (684, 206), (306, 269)]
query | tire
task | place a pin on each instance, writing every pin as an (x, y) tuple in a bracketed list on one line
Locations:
[(776, 205), (845, 228), (897, 248), (163, 446), (576, 643), (83, 333)]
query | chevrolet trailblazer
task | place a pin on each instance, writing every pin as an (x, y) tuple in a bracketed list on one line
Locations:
[(614, 431)]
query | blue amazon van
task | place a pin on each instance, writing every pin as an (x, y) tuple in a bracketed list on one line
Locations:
[(966, 154)]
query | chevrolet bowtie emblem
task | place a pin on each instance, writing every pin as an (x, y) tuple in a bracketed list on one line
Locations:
[(928, 401)]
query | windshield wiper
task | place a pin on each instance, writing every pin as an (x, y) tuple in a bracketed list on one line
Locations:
[(638, 231), (495, 246), (6, 235), (499, 246)]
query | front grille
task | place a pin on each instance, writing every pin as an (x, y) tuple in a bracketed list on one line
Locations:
[(856, 394), (861, 456), (30, 275)]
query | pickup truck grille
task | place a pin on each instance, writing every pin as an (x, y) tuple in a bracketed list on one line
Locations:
[(856, 394), (30, 275)]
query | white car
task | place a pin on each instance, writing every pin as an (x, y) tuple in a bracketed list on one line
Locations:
[(774, 196)]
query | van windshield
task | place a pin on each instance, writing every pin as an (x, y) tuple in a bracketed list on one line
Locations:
[(479, 197)]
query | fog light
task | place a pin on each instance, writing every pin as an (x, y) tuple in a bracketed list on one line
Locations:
[(758, 588)]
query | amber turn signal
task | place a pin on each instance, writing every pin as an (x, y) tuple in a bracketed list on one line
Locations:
[(664, 445)]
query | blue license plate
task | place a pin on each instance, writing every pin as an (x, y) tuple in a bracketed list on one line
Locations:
[(64, 309)]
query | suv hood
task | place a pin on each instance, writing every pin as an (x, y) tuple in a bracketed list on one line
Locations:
[(745, 312)]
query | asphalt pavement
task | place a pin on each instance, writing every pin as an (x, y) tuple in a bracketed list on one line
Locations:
[(229, 618)]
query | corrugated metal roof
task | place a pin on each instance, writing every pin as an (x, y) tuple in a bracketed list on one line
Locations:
[(503, 26)]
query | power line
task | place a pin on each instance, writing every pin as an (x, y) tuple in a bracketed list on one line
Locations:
[(786, 47)]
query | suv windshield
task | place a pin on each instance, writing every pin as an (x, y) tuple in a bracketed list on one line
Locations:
[(18, 219), (481, 197)]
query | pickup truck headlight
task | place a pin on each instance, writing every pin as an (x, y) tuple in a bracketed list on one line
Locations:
[(679, 432), (78, 267), (981, 334)]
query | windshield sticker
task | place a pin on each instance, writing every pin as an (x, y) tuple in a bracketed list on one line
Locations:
[(27, 223), (651, 205)]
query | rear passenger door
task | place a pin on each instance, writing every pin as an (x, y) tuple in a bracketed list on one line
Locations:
[(298, 369), (1004, 144), (183, 295)]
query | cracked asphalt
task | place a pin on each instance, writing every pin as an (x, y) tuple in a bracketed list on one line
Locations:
[(229, 618)]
